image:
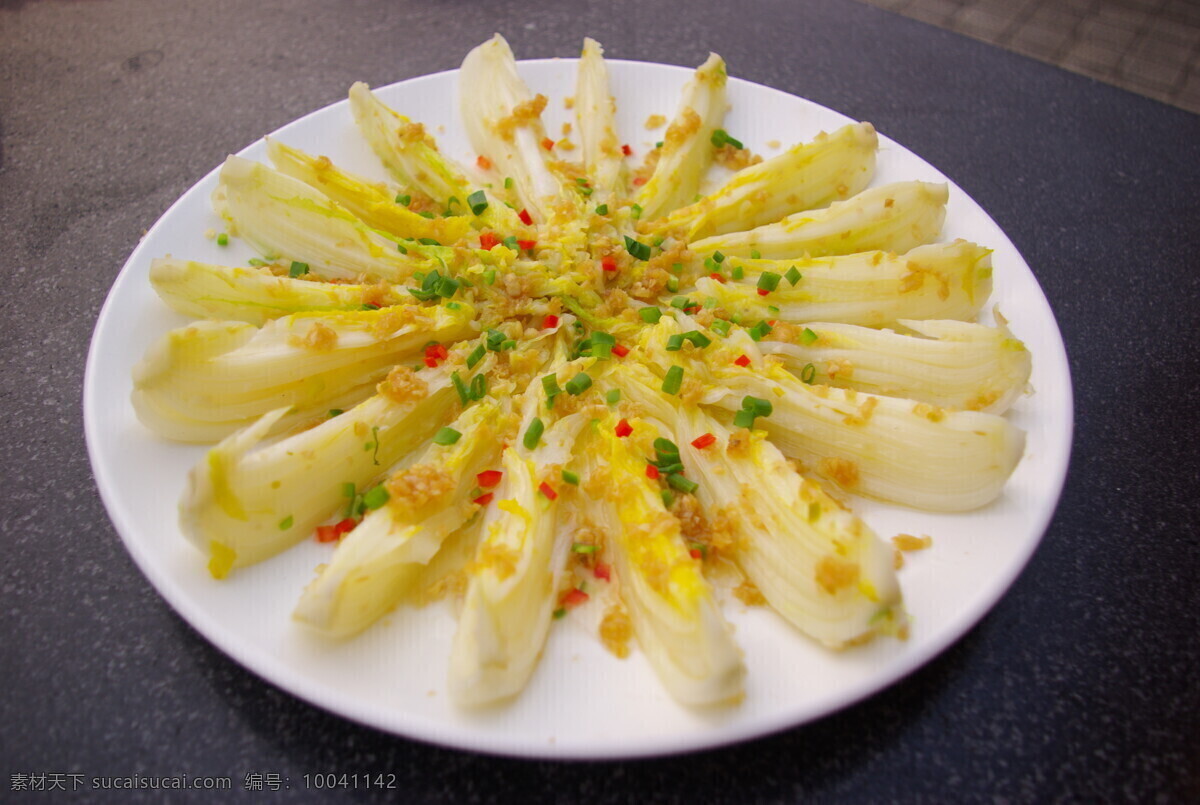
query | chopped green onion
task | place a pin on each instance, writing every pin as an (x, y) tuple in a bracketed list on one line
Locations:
[(768, 281), (508, 183), (650, 315), (793, 275), (639, 250), (758, 405), (534, 434), (550, 386), (560, 613), (446, 436), (602, 209), (808, 336), (743, 419), (738, 272), (675, 342), (478, 202), (348, 489), (682, 484), (760, 330), (463, 395), (673, 380), (681, 302), (808, 373), (447, 287), (254, 261), (579, 384), (401, 248), (428, 242), (489, 276), (476, 356), (667, 498), (298, 269), (404, 200), (570, 478), (335, 412), (478, 387), (699, 339), (508, 344), (223, 239), (613, 396), (286, 523), (587, 191), (720, 138), (375, 497), (635, 212), (666, 447), (426, 214), (510, 242), (710, 302), (673, 284), (495, 340), (658, 144), (720, 326), (755, 254), (711, 265)]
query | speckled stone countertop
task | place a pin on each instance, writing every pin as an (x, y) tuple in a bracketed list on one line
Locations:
[(1080, 685)]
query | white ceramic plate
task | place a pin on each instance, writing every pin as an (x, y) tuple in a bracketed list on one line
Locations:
[(581, 702)]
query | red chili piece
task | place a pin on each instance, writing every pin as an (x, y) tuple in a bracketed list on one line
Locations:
[(548, 144), (547, 490), (483, 162), (623, 428), (626, 150), (742, 360), (608, 264), (527, 245), (489, 240), (652, 472), (701, 442), (485, 499), (525, 217), (620, 350), (638, 181), (489, 478), (550, 322), (574, 598), (718, 277), (602, 571)]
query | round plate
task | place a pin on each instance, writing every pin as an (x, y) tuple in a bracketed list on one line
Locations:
[(582, 702)]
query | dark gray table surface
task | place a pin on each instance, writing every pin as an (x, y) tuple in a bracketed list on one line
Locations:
[(1080, 685)]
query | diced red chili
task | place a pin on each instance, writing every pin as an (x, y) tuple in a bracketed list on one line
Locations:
[(489, 240), (701, 442), (608, 264), (525, 217), (483, 162), (652, 472), (638, 181), (484, 499), (327, 533), (548, 144), (718, 277), (547, 490), (574, 598), (602, 571), (489, 478), (620, 350), (742, 360), (763, 292), (527, 245), (694, 553), (550, 322), (626, 150), (623, 428)]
